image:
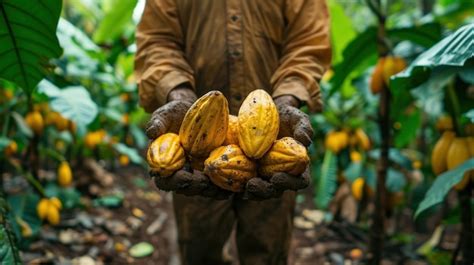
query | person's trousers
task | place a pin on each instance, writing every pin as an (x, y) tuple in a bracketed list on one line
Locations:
[(263, 229)]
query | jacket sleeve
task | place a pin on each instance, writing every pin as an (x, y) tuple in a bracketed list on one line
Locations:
[(160, 64), (306, 52)]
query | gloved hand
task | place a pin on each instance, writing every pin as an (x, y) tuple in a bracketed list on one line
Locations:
[(260, 189), (190, 184), (293, 122), (169, 117)]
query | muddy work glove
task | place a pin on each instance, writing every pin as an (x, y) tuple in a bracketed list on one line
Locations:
[(190, 184), (261, 189), (169, 117), (293, 122)]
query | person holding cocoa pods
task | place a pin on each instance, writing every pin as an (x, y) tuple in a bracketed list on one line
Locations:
[(187, 48)]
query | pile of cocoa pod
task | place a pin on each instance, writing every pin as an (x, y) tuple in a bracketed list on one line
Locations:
[(229, 149)]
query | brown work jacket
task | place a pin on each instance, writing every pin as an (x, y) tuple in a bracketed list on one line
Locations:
[(235, 46)]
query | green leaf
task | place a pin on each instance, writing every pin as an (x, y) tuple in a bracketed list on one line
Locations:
[(442, 185), (141, 249), (115, 20), (132, 153), (409, 124), (450, 54), (23, 205), (327, 180), (395, 180), (342, 30), (8, 243), (111, 201), (74, 103), (22, 126), (28, 40), (139, 136), (353, 171), (470, 115), (425, 35)]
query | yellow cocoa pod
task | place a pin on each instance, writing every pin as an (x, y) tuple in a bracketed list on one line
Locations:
[(331, 142), (42, 208), (56, 202), (124, 160), (229, 168), (392, 66), (53, 216), (286, 155), (11, 148), (165, 154), (377, 81), (357, 188), (444, 123), (34, 120), (440, 151), (258, 124), (61, 123), (362, 139), (457, 154), (343, 139), (204, 126), (355, 156), (232, 136), (92, 139), (64, 174)]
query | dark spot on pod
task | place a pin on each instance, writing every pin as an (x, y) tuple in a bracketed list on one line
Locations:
[(198, 118), (254, 127), (238, 162), (204, 135), (225, 157), (254, 100), (230, 181)]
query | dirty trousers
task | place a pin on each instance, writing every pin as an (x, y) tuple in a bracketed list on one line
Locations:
[(263, 229)]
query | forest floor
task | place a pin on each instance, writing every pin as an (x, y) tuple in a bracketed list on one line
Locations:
[(104, 235)]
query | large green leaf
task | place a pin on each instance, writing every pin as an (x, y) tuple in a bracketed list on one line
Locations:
[(8, 244), (342, 30), (442, 185), (74, 103), (425, 35), (27, 40), (115, 20), (450, 54), (327, 180)]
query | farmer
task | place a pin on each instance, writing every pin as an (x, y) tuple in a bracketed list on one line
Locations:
[(187, 48)]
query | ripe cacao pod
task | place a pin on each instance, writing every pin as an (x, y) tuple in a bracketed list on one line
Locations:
[(457, 154), (124, 160), (232, 136), (258, 124), (440, 151), (357, 188), (229, 168), (336, 141), (165, 154), (53, 216), (64, 174), (11, 148), (392, 65), (355, 156), (56, 203), (285, 155), (362, 139), (49, 209), (376, 81), (42, 208), (34, 120), (204, 126)]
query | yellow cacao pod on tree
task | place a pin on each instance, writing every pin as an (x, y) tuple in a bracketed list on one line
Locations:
[(392, 66), (34, 120), (204, 126), (285, 155), (11, 148), (377, 81), (229, 168), (124, 160), (48, 209), (362, 139), (258, 124), (165, 154), (232, 136), (457, 154), (440, 151), (357, 188), (53, 216), (64, 174), (42, 208)]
